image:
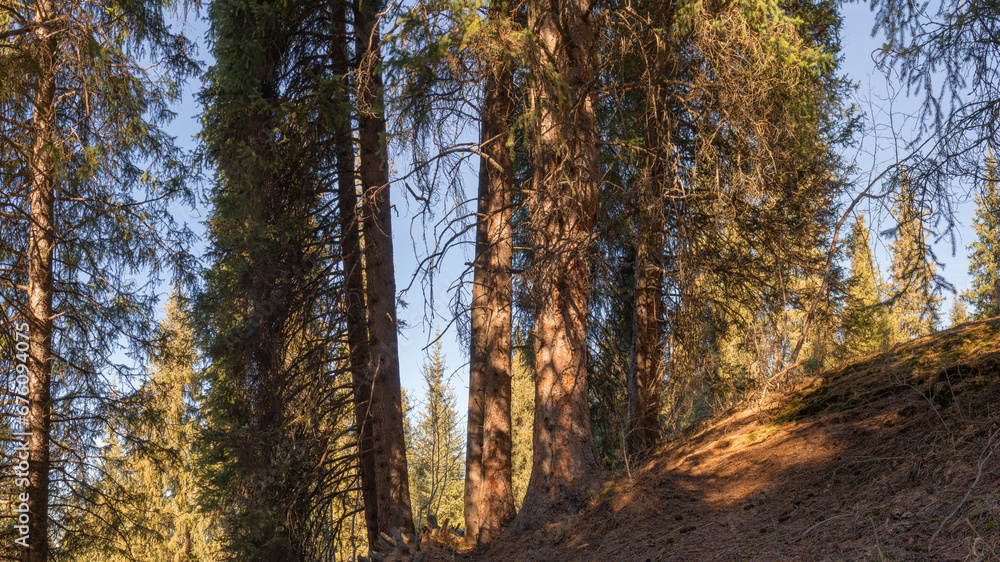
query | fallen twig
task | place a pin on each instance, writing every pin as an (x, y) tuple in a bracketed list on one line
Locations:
[(806, 532)]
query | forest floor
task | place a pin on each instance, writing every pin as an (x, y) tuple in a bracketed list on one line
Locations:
[(889, 457)]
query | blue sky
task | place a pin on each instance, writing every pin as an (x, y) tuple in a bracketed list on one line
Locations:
[(872, 94), (883, 104)]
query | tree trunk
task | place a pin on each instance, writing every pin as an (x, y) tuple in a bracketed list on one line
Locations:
[(391, 482), (564, 210), (473, 501), (642, 432), (41, 245), (354, 289), (489, 496)]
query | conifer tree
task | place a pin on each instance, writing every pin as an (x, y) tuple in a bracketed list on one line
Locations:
[(88, 180), (275, 448), (959, 314), (727, 171), (984, 260), (564, 204), (447, 53), (522, 416), (391, 486), (491, 500), (160, 519), (435, 451), (865, 326), (914, 305)]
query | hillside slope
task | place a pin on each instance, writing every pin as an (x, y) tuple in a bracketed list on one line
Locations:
[(871, 461)]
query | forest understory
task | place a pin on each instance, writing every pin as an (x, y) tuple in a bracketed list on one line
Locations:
[(890, 457)]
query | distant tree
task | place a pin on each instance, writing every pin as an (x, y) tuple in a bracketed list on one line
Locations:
[(436, 450), (914, 305), (159, 519), (984, 260), (959, 314), (522, 417), (865, 325)]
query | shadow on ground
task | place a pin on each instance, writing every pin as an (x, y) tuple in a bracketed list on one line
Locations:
[(883, 458)]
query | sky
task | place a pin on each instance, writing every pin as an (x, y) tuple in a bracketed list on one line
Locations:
[(870, 156), (874, 94)]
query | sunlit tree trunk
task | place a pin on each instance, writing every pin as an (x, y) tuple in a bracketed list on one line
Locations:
[(564, 208), (41, 246), (386, 400), (489, 498)]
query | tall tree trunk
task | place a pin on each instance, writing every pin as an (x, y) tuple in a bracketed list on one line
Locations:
[(642, 432), (354, 285), (564, 211), (391, 482), (473, 501), (41, 245), (489, 495)]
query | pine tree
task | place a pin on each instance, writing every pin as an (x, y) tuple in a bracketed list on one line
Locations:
[(865, 326), (436, 450), (914, 305), (984, 261)]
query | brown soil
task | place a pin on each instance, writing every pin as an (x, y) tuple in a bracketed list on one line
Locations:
[(866, 462)]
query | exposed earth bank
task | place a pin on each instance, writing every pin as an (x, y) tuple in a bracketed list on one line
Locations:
[(890, 457)]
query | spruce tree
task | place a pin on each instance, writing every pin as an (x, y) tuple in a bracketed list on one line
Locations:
[(914, 305), (275, 447), (488, 492), (522, 417), (88, 180), (728, 172), (391, 486), (564, 203), (436, 452), (159, 519), (984, 260), (865, 327), (959, 314)]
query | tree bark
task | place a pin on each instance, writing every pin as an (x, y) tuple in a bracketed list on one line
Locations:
[(41, 245), (354, 289), (391, 482), (564, 209), (473, 500), (489, 495), (644, 379)]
